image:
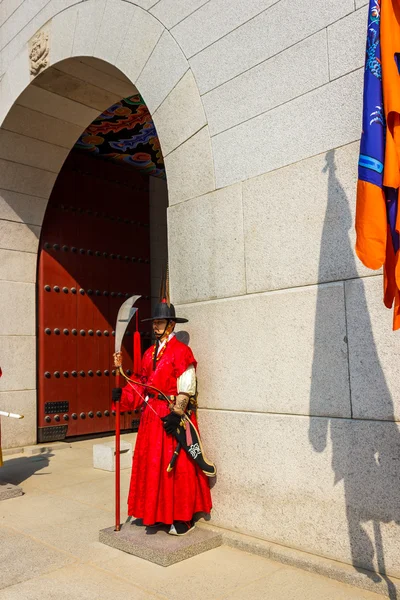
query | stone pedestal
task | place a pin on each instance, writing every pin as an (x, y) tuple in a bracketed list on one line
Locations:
[(155, 545), (104, 456), (8, 490)]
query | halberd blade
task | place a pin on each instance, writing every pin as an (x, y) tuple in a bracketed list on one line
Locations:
[(125, 314)]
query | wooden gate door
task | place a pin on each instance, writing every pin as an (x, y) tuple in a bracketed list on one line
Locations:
[(94, 252)]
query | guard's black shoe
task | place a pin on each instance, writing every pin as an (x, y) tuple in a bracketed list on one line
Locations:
[(181, 527)]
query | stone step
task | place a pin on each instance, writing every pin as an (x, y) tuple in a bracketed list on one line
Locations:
[(9, 490), (156, 545)]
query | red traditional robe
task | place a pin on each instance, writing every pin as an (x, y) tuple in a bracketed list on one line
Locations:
[(156, 495)]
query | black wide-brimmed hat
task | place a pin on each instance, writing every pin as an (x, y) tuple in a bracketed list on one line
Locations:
[(165, 311)]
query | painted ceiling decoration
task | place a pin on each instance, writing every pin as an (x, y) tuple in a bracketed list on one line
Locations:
[(125, 133)]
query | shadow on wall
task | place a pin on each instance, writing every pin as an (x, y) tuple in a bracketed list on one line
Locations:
[(365, 453), (183, 336)]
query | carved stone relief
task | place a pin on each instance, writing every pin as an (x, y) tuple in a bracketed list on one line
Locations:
[(39, 53)]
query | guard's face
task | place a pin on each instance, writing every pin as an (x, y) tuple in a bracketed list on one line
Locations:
[(159, 326)]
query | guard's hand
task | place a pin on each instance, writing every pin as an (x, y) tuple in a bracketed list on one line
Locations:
[(117, 359), (116, 394), (171, 422)]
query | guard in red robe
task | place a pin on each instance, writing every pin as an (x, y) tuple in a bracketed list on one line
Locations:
[(157, 496)]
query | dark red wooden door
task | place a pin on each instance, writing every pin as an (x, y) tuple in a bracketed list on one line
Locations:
[(94, 253)]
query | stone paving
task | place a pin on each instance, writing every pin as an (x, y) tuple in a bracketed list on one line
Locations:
[(49, 548)]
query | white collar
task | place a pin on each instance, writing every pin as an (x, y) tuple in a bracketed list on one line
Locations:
[(171, 335)]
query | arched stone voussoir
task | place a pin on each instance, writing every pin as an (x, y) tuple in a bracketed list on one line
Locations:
[(15, 80), (124, 35), (190, 168), (180, 115)]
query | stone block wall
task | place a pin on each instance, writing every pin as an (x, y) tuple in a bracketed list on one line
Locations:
[(258, 108), (298, 379)]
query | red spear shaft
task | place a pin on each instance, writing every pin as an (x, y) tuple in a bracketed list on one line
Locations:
[(125, 313), (117, 457)]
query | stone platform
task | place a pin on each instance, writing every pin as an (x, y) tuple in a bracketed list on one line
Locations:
[(155, 545), (8, 490)]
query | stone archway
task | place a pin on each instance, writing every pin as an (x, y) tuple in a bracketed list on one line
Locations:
[(35, 139)]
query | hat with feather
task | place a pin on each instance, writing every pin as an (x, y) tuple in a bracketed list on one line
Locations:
[(164, 309)]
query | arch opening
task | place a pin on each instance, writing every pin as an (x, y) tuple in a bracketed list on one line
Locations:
[(97, 220)]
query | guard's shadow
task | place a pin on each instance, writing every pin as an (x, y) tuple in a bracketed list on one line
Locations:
[(148, 529), (18, 470), (365, 453), (183, 336)]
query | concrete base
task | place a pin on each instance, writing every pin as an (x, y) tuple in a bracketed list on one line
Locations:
[(8, 490), (104, 456), (155, 545)]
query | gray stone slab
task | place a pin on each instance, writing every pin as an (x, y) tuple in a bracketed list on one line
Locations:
[(18, 350), (109, 79), (23, 558), (171, 12), (146, 4), (71, 87), (208, 232), (9, 490), (284, 24), (33, 152), (137, 48), (90, 17), (19, 19), (346, 43), (27, 180), (165, 67), (190, 168), (106, 68), (211, 575), (18, 266), (19, 432), (299, 222), (325, 486), (52, 105), (14, 81), (181, 114), (47, 128), (280, 352), (116, 24), (7, 9), (83, 581), (62, 34), (157, 545), (291, 584), (18, 314), (325, 118), (374, 352), (23, 208), (19, 236), (215, 20), (291, 73), (42, 20), (339, 571)]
